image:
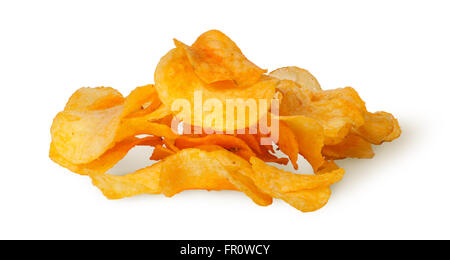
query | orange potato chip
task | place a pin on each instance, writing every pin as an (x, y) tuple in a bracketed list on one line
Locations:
[(227, 141), (336, 115), (238, 171), (304, 192), (310, 137), (215, 57), (107, 160), (353, 146), (143, 181), (288, 143), (379, 127), (160, 153), (81, 135), (176, 82), (300, 76), (94, 99)]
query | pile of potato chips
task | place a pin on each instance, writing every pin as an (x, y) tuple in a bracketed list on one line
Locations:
[(99, 126)]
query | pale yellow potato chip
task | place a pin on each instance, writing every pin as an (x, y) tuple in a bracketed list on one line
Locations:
[(300, 76)]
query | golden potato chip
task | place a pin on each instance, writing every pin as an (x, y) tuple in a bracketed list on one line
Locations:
[(143, 181), (379, 127), (294, 98), (160, 153), (336, 115), (105, 161), (286, 182), (299, 76), (288, 143), (138, 98), (304, 192), (80, 135), (176, 81), (353, 146), (310, 137), (94, 99), (215, 57), (192, 169), (238, 169), (227, 141)]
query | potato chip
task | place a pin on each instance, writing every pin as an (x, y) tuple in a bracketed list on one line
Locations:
[(288, 143), (379, 127), (175, 80), (300, 76), (310, 137), (215, 57), (94, 99), (81, 135), (353, 146), (143, 181), (304, 192), (160, 153), (227, 141), (238, 171), (336, 115), (105, 161)]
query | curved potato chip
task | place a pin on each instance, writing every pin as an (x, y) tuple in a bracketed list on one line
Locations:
[(294, 98), (304, 192), (379, 127), (336, 115), (160, 153), (307, 200), (238, 169), (286, 182), (288, 143), (105, 161), (299, 76), (227, 141), (215, 57), (192, 169), (143, 181), (176, 81), (85, 99), (81, 135), (353, 146), (310, 137), (138, 98)]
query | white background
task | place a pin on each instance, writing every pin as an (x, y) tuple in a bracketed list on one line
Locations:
[(395, 53)]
